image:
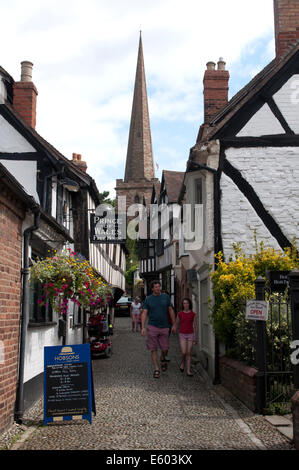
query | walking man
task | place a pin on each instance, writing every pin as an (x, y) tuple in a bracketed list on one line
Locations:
[(156, 307)]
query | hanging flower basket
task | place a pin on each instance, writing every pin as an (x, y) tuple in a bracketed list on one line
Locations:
[(69, 277)]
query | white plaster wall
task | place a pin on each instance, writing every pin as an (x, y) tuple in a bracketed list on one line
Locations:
[(239, 221), (287, 100), (54, 197), (262, 123), (11, 141), (25, 173), (274, 175), (3, 93), (37, 338)]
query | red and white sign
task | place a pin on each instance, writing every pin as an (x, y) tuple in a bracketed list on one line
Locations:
[(257, 310)]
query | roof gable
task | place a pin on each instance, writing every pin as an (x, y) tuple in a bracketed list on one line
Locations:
[(266, 87), (172, 182), (12, 141), (262, 123)]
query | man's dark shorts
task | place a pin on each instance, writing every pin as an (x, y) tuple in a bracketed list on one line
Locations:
[(157, 338)]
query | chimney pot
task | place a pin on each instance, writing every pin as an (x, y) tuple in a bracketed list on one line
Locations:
[(211, 65), (26, 71), (77, 159), (221, 64)]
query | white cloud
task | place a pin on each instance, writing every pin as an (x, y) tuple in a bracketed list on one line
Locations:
[(85, 52)]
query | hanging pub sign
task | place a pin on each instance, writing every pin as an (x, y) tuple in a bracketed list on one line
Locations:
[(257, 310), (108, 228), (68, 383), (278, 280)]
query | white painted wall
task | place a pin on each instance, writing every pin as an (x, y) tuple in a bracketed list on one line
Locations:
[(274, 175), (25, 173), (287, 100), (10, 139), (3, 92), (37, 338), (262, 123)]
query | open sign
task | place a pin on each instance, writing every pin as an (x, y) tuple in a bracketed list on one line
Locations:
[(257, 310)]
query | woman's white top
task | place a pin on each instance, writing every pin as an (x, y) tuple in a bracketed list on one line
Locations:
[(135, 308)]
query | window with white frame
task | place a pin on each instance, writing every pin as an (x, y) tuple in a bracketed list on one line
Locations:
[(199, 199)]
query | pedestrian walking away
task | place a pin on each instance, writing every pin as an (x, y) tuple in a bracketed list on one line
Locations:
[(156, 307), (187, 334), (135, 312)]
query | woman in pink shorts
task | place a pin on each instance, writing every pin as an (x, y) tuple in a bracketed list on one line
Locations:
[(187, 333)]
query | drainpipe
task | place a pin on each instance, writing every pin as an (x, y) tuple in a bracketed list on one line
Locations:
[(19, 409)]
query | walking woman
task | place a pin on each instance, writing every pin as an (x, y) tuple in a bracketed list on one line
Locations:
[(187, 334), (135, 313)]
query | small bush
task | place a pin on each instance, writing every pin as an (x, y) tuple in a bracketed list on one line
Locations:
[(233, 284)]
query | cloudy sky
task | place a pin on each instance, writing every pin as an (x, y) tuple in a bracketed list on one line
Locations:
[(85, 52)]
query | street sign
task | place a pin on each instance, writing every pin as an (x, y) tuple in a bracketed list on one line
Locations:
[(257, 310), (68, 383), (278, 280), (109, 228)]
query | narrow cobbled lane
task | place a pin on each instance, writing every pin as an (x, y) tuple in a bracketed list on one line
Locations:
[(136, 411)]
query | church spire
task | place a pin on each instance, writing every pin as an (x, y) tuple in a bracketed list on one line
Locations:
[(140, 163)]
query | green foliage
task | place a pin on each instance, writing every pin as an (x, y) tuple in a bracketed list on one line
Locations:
[(280, 408), (131, 261), (130, 274), (233, 284), (106, 200), (69, 277)]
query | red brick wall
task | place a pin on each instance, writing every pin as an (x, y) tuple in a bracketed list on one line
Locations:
[(10, 295), (216, 84), (286, 14), (240, 380)]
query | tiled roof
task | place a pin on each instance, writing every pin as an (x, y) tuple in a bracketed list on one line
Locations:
[(173, 183)]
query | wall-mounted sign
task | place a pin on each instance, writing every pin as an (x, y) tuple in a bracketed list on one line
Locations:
[(110, 228), (257, 310), (68, 383), (278, 280)]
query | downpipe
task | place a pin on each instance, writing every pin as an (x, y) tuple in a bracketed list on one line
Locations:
[(19, 408)]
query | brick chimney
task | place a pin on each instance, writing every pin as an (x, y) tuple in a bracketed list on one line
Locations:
[(24, 95), (77, 159), (286, 18), (215, 89)]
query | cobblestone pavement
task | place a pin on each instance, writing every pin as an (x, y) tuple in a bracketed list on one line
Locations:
[(136, 411)]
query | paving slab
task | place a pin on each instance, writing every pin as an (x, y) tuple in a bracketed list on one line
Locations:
[(276, 420), (286, 431)]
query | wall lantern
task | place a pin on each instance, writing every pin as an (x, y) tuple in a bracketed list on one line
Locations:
[(70, 185)]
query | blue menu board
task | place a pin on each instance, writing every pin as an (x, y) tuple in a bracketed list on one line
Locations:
[(68, 383)]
